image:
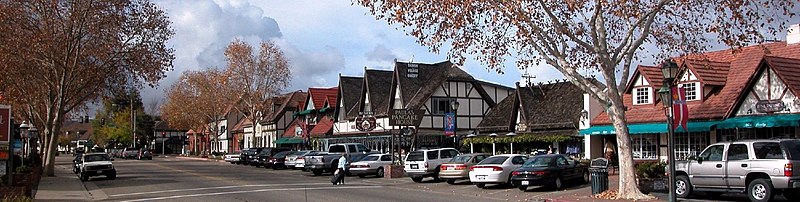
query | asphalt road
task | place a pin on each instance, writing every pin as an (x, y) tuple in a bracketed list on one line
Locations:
[(174, 179)]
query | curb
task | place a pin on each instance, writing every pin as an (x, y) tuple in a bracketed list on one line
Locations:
[(199, 159)]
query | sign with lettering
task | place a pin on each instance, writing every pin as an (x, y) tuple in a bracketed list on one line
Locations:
[(5, 124), (366, 122), (405, 117), (770, 106)]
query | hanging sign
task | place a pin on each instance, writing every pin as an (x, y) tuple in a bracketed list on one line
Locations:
[(366, 122), (449, 124)]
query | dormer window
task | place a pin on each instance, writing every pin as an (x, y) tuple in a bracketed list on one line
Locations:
[(642, 95), (692, 89)]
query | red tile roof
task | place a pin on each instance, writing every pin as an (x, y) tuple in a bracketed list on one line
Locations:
[(788, 70), (323, 127), (721, 102), (320, 95), (650, 73), (709, 72), (290, 132)]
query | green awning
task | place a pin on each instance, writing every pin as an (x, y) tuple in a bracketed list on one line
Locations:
[(646, 128), (324, 109), (304, 112), (287, 140), (766, 121)]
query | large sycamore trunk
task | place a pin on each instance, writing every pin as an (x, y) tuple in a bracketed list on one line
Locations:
[(628, 188)]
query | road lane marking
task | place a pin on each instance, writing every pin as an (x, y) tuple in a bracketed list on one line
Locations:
[(252, 191), (206, 188)]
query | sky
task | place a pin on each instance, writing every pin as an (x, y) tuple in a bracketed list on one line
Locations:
[(322, 39)]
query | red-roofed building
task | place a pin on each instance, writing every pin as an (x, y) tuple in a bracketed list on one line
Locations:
[(731, 94), (313, 122)]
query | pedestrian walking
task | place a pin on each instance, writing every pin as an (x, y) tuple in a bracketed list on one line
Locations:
[(338, 175)]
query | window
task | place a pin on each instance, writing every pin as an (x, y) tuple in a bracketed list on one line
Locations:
[(415, 156), (494, 160), (352, 148), (768, 150), (446, 154), (386, 158), (478, 159), (691, 90), (453, 153), (737, 152), (644, 146), (336, 149), (439, 106), (518, 160), (713, 153), (641, 95), (362, 148), (433, 154), (688, 145)]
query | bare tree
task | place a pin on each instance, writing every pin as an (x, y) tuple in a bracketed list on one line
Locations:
[(63, 54), (571, 35), (257, 78)]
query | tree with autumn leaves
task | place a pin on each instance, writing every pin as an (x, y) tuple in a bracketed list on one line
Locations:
[(56, 56), (580, 36), (201, 98)]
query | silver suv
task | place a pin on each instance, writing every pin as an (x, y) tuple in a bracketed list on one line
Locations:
[(425, 163), (761, 168)]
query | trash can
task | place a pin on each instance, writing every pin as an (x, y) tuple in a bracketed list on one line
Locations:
[(599, 173)]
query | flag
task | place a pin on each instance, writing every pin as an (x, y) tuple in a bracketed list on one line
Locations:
[(680, 111), (449, 124)]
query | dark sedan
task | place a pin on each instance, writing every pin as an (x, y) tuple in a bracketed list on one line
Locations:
[(549, 170), (278, 160)]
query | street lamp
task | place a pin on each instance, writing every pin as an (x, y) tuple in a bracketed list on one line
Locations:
[(471, 148), (511, 134), (494, 151), (454, 106), (669, 70), (24, 127)]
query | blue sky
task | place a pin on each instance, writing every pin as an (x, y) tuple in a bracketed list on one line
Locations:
[(321, 38)]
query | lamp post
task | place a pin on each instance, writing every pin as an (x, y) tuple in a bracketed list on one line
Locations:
[(454, 107), (511, 134), (493, 135), (669, 70), (24, 127), (471, 148)]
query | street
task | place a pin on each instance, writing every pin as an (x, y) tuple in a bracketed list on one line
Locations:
[(179, 179)]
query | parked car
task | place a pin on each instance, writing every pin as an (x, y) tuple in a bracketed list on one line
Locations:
[(263, 157), (94, 164), (278, 160), (130, 153), (496, 169), (745, 166), (370, 165), (320, 163), (549, 170), (248, 155), (300, 161), (458, 167), (291, 159), (144, 154), (232, 158), (425, 163)]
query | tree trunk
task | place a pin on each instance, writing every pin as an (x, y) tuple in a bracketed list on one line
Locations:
[(628, 188)]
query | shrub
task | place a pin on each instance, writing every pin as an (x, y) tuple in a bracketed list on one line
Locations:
[(650, 170), (24, 169)]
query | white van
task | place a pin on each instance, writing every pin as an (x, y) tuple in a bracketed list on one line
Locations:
[(425, 163)]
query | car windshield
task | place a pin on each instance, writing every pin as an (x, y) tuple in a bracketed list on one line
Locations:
[(539, 162), (337, 149), (792, 148), (416, 156), (460, 159), (370, 158), (494, 160), (282, 154), (265, 152), (96, 157)]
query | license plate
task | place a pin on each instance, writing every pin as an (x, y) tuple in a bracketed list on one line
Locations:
[(481, 177), (414, 166), (450, 168), (525, 182)]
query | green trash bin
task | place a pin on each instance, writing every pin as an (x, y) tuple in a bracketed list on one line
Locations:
[(599, 180)]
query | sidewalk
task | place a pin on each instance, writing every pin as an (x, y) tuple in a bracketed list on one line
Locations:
[(64, 186), (585, 193)]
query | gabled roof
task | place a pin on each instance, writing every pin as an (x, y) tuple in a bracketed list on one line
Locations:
[(321, 95), (379, 85), (551, 106), (323, 127), (415, 90), (503, 117), (85, 129), (709, 72), (787, 69), (720, 104), (349, 92), (243, 123), (650, 73), (289, 101)]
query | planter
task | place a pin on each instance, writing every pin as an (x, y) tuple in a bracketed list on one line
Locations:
[(393, 171)]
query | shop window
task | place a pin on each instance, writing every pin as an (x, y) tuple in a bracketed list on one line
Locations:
[(644, 146), (689, 144), (642, 95)]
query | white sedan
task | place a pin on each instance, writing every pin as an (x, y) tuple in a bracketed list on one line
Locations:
[(496, 169), (371, 165), (232, 158)]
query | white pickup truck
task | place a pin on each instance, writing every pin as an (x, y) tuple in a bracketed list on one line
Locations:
[(761, 168), (321, 163)]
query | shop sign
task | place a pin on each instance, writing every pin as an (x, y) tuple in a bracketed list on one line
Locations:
[(5, 124), (405, 117), (770, 106), (449, 124), (366, 122)]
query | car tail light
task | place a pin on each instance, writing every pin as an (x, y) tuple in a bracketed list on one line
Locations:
[(540, 173), (787, 170), (461, 167), (515, 173), (494, 168), (300, 157), (426, 164), (497, 168), (443, 167)]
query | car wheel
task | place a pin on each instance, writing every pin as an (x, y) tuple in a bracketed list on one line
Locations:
[(436, 175), (416, 179), (380, 172), (523, 187), (317, 172), (451, 181), (508, 182), (558, 184), (84, 177), (112, 176), (585, 177), (760, 190), (792, 194), (480, 185), (683, 188)]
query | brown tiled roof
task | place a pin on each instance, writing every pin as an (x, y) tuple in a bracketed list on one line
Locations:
[(243, 123), (720, 104), (379, 85), (709, 72), (551, 106), (415, 91), (289, 102), (349, 94), (85, 129), (787, 69), (503, 117)]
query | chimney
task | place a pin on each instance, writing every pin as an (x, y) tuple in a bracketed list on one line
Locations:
[(793, 36)]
